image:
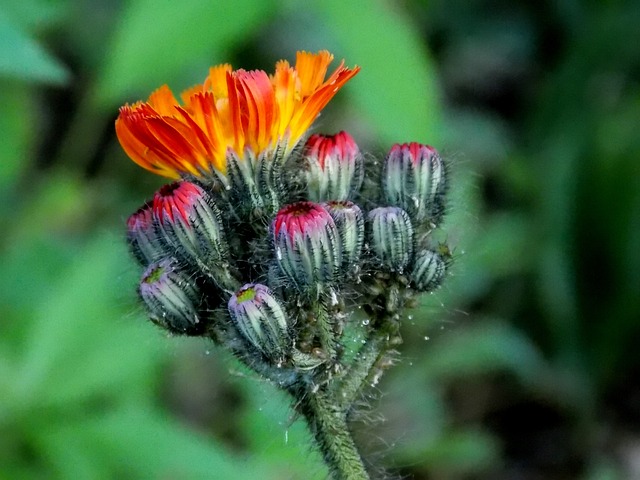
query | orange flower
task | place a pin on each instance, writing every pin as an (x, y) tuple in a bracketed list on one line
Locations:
[(233, 109)]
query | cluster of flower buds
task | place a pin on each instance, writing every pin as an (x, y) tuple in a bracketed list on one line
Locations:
[(274, 260)]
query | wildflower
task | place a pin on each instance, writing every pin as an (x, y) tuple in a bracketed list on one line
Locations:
[(234, 111), (319, 310)]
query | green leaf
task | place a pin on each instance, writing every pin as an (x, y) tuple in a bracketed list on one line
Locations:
[(139, 442), (276, 434), (22, 57), (161, 42), (15, 124), (489, 346), (81, 327), (397, 86), (464, 451)]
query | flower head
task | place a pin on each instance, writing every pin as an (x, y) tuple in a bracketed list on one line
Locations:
[(142, 235), (335, 167), (171, 297), (233, 109), (414, 179), (391, 237), (350, 225), (307, 243), (190, 222), (261, 320)]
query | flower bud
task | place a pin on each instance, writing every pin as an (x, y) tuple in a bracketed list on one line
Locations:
[(261, 320), (335, 167), (190, 222), (391, 237), (307, 244), (142, 234), (350, 224), (428, 271), (171, 297), (414, 179)]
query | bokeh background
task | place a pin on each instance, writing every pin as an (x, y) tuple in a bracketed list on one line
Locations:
[(524, 366)]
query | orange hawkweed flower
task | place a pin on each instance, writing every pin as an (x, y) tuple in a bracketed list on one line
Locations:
[(242, 111)]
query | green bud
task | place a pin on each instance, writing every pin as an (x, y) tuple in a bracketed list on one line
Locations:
[(390, 236), (350, 224), (428, 271), (191, 227)]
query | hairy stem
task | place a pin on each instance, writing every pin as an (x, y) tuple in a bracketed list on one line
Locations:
[(328, 424), (325, 329), (355, 377), (365, 366)]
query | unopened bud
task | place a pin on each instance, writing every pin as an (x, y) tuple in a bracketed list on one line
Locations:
[(391, 237), (428, 271), (171, 297), (190, 222), (414, 179), (350, 224), (335, 167), (142, 233), (307, 244), (261, 320)]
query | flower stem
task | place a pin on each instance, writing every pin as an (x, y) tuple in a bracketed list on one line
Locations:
[(328, 424), (353, 380)]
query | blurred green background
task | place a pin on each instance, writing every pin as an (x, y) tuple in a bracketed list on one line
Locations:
[(524, 366)]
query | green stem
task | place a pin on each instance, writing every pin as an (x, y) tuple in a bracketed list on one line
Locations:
[(365, 366), (328, 424), (325, 329), (354, 379)]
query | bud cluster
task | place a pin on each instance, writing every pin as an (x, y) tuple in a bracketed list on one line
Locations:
[(272, 259)]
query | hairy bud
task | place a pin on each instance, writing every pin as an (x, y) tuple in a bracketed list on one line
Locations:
[(428, 271), (142, 234), (414, 179), (171, 297), (190, 222), (307, 244), (261, 321), (391, 237), (335, 167), (350, 224), (255, 183)]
